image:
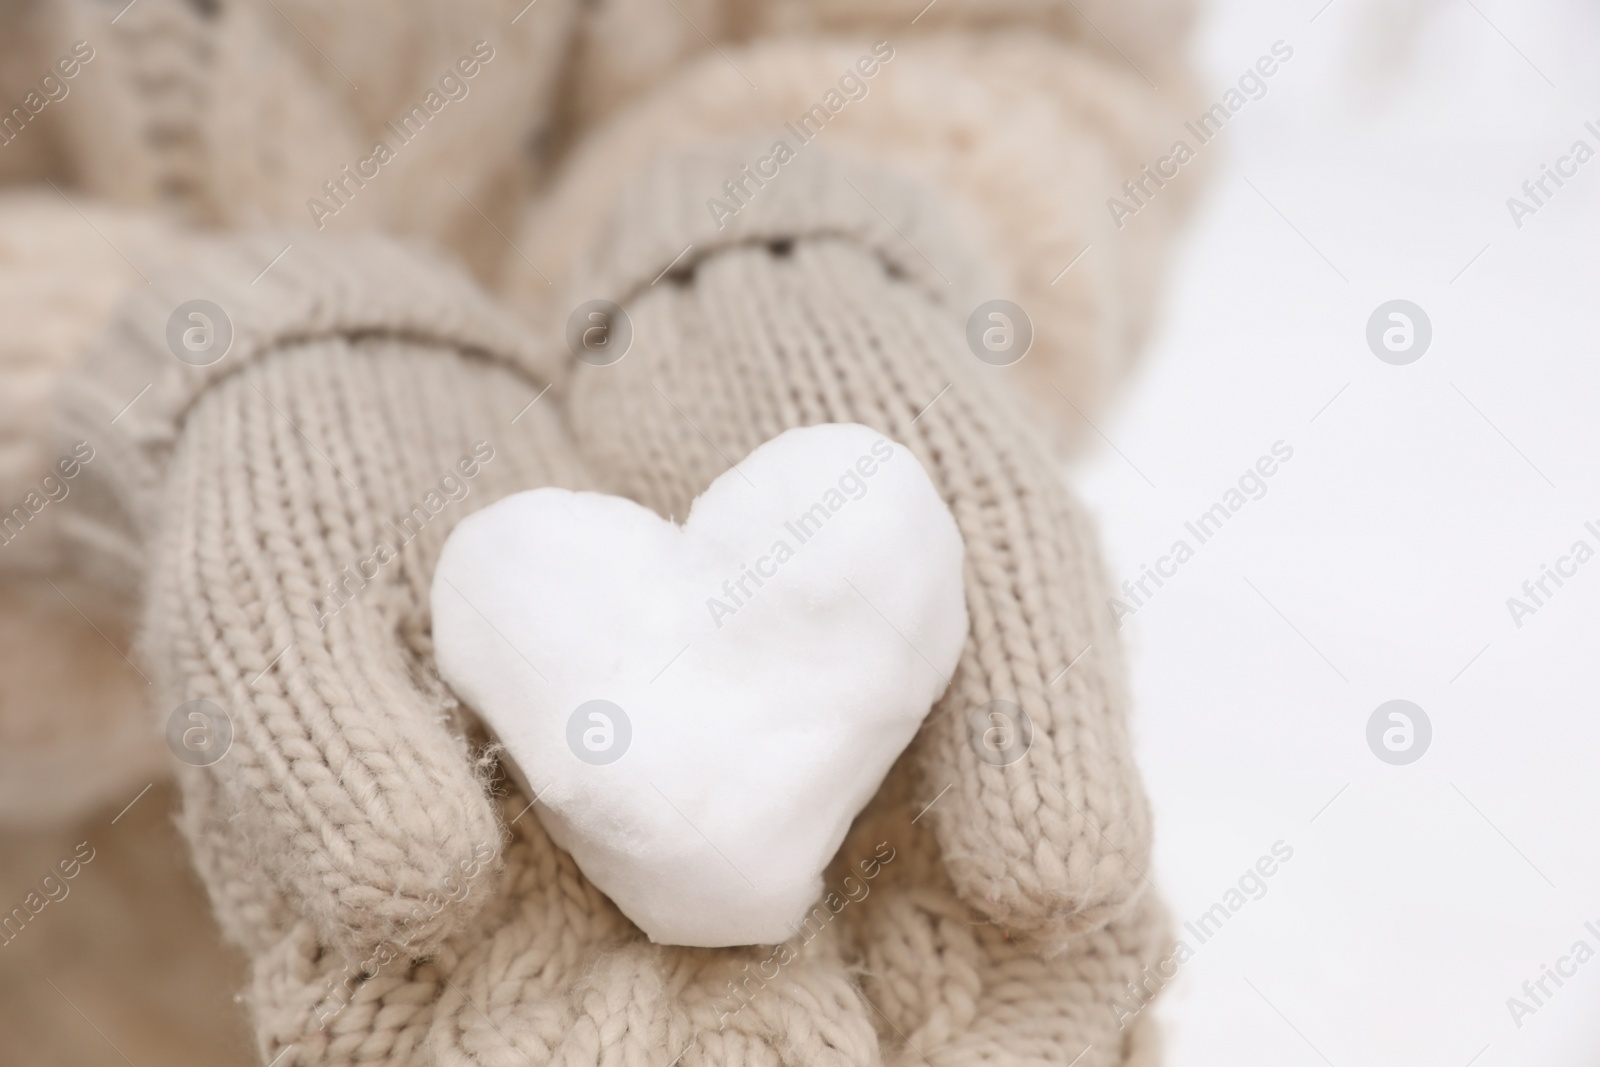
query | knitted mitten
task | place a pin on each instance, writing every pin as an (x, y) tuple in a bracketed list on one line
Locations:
[(289, 484), (292, 499), (1015, 913)]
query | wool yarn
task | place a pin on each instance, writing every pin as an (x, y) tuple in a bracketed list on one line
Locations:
[(359, 842), (275, 515), (814, 307), (72, 730), (229, 114), (397, 904), (61, 274), (1011, 127)]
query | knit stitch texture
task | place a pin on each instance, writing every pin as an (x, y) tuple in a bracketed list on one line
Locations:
[(397, 905), (273, 519)]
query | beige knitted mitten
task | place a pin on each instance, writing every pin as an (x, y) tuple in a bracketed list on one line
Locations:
[(292, 499), (1016, 909), (353, 397)]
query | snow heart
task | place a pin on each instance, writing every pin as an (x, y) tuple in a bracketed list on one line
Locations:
[(702, 709)]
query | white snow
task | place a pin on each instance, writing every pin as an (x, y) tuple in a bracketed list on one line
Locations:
[(1419, 898), (763, 666)]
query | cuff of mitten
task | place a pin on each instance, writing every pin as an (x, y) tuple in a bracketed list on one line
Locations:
[(1022, 139), (686, 207), (194, 325)]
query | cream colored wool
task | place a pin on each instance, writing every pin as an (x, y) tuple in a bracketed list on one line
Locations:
[(236, 113), (1014, 911), (1015, 907), (72, 728), (384, 812), (61, 273), (752, 342), (1026, 114)]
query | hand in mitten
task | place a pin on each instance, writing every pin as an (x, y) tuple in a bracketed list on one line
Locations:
[(1015, 911), (288, 480), (294, 496)]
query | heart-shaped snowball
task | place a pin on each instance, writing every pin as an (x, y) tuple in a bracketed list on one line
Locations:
[(701, 710)]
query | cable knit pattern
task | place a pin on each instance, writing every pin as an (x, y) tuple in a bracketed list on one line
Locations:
[(167, 63), (238, 112)]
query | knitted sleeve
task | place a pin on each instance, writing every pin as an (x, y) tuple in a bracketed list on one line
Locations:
[(340, 119), (1026, 117), (70, 737), (281, 453)]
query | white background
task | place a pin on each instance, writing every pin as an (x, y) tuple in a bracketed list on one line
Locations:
[(1416, 503)]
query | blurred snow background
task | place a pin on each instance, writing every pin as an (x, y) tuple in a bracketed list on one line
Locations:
[(1378, 564)]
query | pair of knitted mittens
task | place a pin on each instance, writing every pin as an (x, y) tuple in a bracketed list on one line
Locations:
[(398, 902)]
